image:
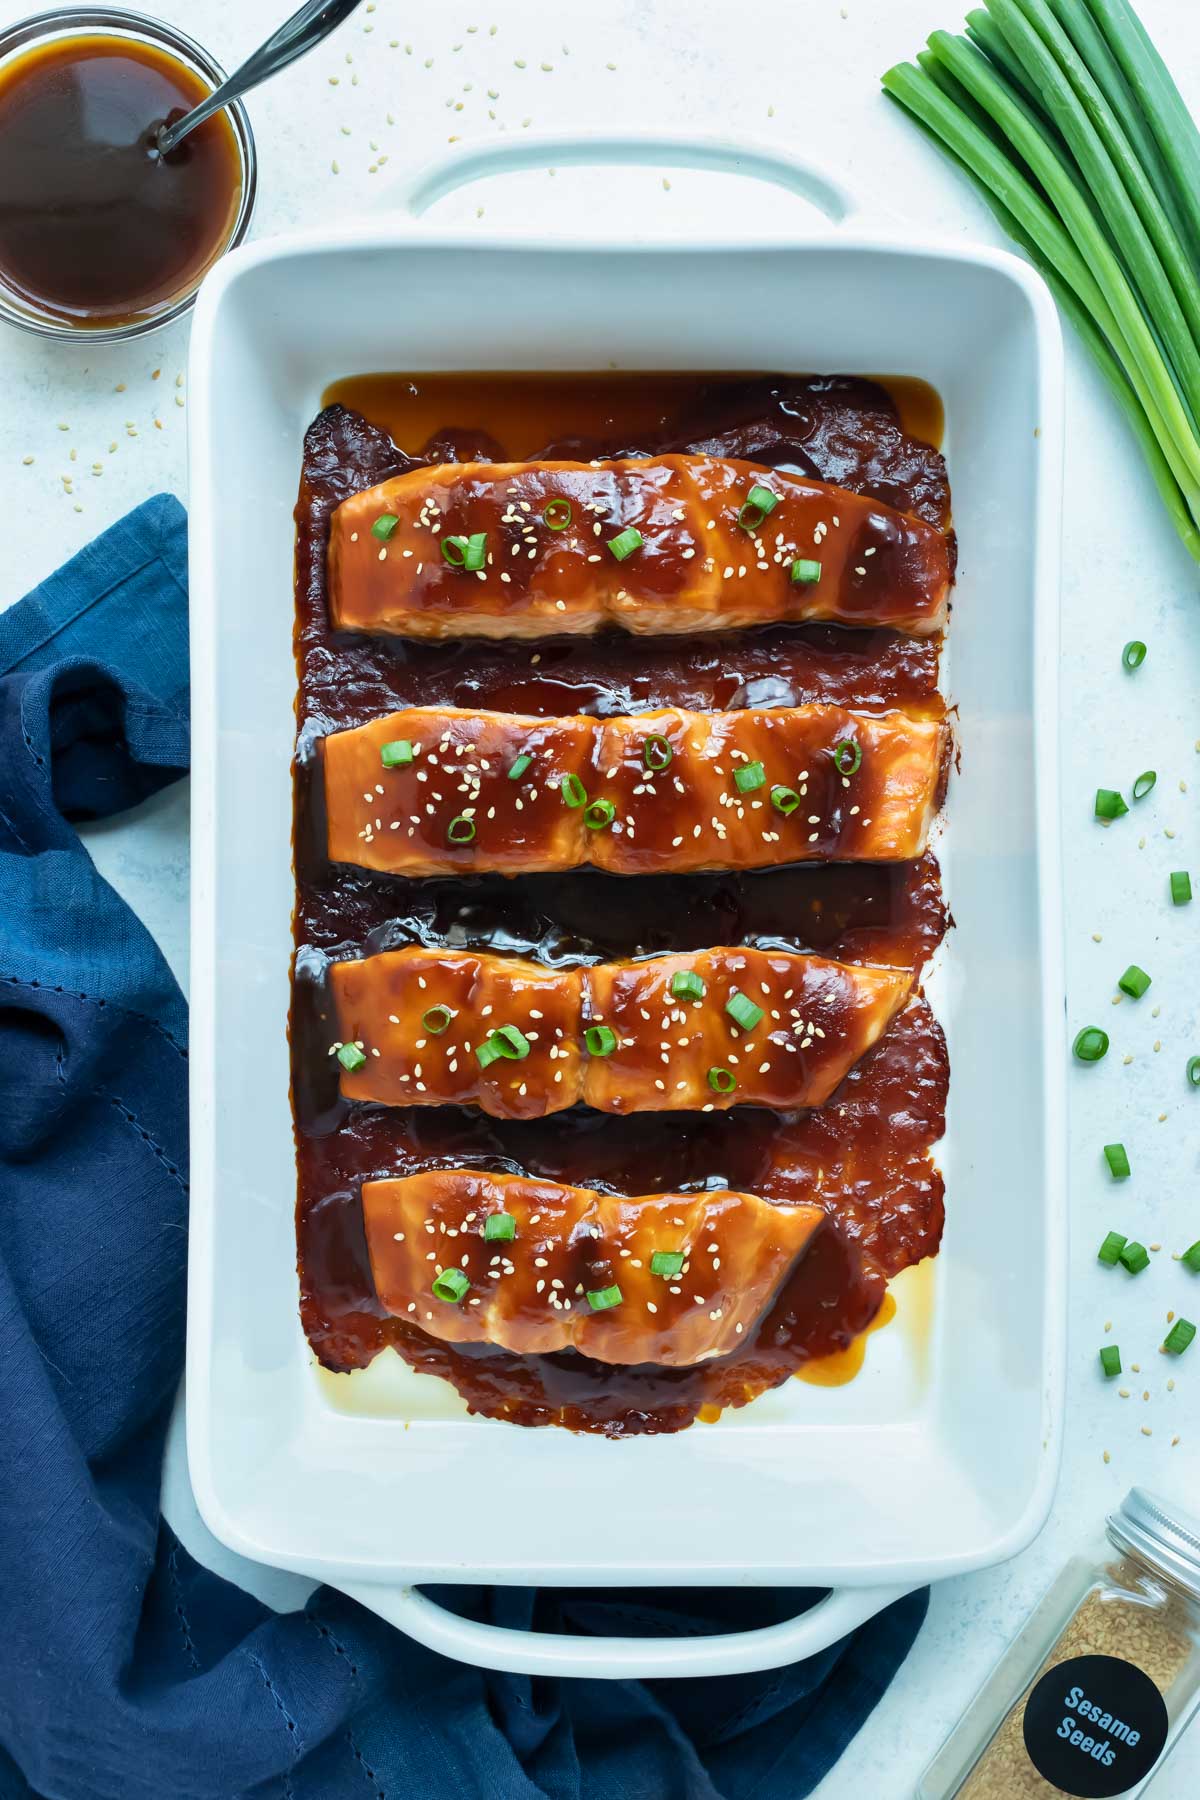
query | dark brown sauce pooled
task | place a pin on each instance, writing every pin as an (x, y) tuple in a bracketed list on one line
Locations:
[(95, 226), (866, 1154)]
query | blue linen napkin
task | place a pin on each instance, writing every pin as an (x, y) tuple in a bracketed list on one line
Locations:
[(128, 1671)]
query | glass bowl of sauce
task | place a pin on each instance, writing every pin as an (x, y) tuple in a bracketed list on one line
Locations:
[(100, 236)]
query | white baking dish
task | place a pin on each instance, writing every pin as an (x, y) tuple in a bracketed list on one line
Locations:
[(942, 1456)]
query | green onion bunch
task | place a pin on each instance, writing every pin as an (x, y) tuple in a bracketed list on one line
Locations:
[(1066, 119)]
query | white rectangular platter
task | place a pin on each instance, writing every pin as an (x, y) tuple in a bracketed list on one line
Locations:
[(942, 1456)]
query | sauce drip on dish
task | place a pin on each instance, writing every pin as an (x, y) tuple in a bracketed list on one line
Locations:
[(866, 1154)]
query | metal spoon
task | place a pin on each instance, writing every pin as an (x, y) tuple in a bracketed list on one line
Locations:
[(306, 28)]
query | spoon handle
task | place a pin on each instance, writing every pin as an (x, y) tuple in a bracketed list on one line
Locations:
[(297, 35)]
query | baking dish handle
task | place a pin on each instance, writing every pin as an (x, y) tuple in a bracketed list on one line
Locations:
[(624, 1658), (759, 162)]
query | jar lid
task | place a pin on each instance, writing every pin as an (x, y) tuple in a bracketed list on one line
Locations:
[(1162, 1533)]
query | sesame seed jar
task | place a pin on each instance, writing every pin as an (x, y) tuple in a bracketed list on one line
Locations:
[(1101, 1680)]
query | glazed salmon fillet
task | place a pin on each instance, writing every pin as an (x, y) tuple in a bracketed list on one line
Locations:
[(651, 545), (696, 1032), (661, 1278), (442, 790)]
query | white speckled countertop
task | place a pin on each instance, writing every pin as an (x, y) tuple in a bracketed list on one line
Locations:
[(805, 76)]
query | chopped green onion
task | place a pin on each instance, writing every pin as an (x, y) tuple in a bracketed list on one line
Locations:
[(1181, 887), (557, 514), (743, 1011), (573, 791), (805, 570), (1135, 1257), (758, 503), (602, 1298), (384, 526), (687, 985), (1191, 1257), (1110, 1250), (1144, 783), (350, 1057), (749, 777), (667, 1262), (657, 753), (460, 830), (1179, 1337), (626, 542), (1193, 1071), (437, 1020), (722, 1081), (450, 1286), (847, 756), (1117, 1158), (1109, 804), (499, 1227), (599, 814), (519, 765), (1110, 1359), (1134, 982), (1134, 654), (397, 755), (1091, 1044), (506, 1041), (785, 800), (600, 1040), (469, 553)]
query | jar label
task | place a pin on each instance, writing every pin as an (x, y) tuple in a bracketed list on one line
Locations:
[(1095, 1726)]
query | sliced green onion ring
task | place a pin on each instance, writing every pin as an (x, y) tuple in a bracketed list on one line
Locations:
[(1144, 783), (1193, 1071), (1181, 887), (598, 815), (626, 542), (1134, 654), (1179, 1337), (384, 526), (519, 765), (557, 513), (467, 553), (601, 1040), (687, 985), (805, 570), (1135, 1257), (1090, 1044), (1134, 982), (1110, 1360), (668, 1263), (785, 800), (573, 791), (1117, 1158), (1109, 804), (758, 503), (396, 755), (743, 1011), (600, 1299), (722, 1081), (1110, 1250), (460, 830), (437, 1020), (499, 1228), (451, 1285), (749, 777), (1191, 1257), (847, 756), (350, 1057), (657, 754)]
